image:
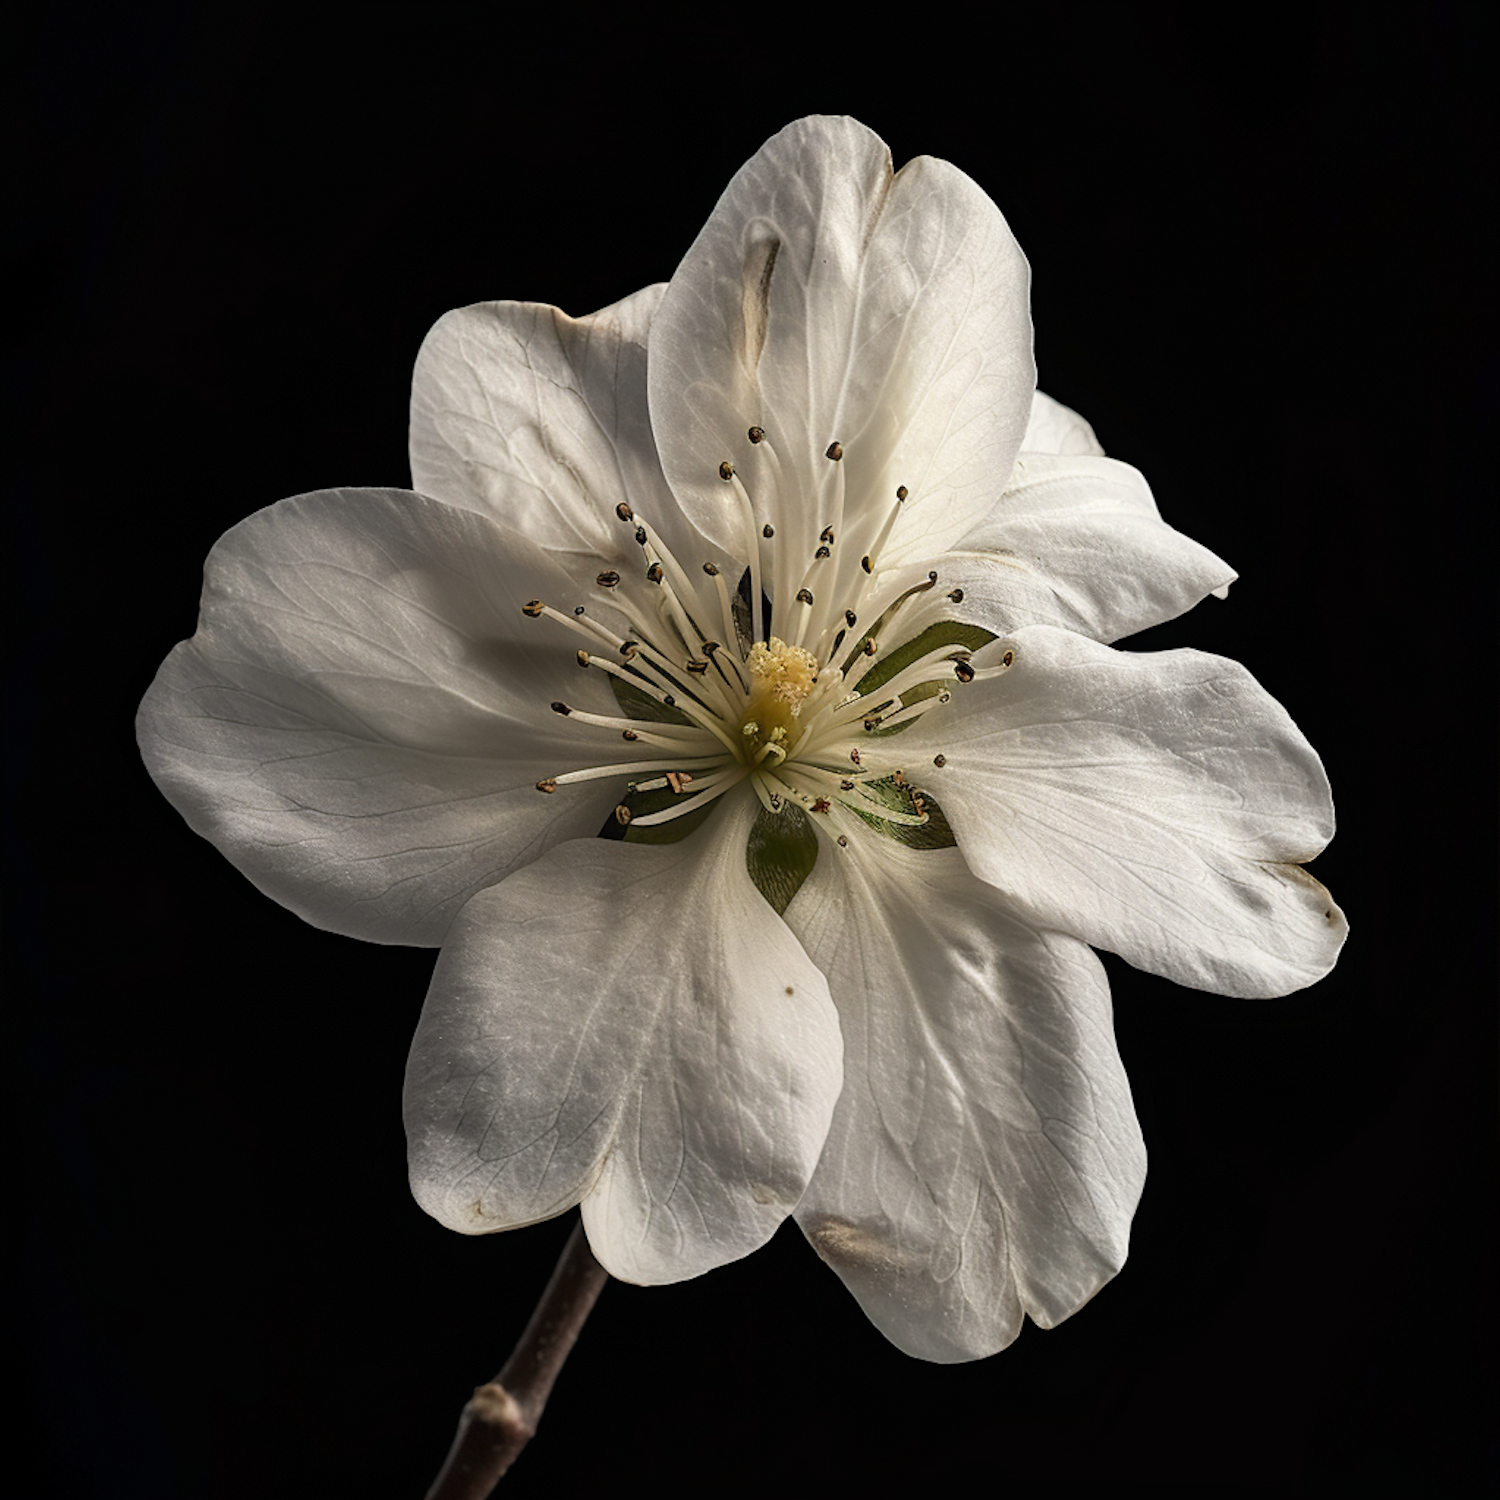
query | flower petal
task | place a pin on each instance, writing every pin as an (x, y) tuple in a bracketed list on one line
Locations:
[(825, 300), (361, 719), (1077, 541), (540, 420), (1158, 805), (634, 1026), (984, 1158), (1055, 428)]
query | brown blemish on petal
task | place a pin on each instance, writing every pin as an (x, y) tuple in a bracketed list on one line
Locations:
[(847, 1247)]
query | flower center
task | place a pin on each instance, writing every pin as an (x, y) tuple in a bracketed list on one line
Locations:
[(781, 678), (771, 682)]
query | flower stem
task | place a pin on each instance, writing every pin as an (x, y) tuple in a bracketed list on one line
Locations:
[(502, 1415)]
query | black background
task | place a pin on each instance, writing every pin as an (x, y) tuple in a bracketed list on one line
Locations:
[(1258, 268)]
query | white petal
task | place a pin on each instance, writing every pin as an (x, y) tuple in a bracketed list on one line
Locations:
[(984, 1158), (1078, 542), (631, 1025), (361, 719), (1158, 805), (827, 299), (540, 420), (1055, 428)]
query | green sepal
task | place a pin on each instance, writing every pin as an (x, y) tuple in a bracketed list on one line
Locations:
[(780, 854), (944, 633), (635, 704), (935, 833), (744, 621), (641, 803)]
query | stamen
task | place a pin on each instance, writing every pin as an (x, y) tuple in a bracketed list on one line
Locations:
[(692, 709), (731, 777), (752, 548), (630, 767), (885, 531), (835, 451), (1007, 661)]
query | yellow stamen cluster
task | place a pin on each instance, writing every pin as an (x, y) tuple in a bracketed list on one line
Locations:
[(781, 677)]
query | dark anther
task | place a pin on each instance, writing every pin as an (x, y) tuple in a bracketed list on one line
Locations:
[(805, 596), (835, 451), (870, 646), (1008, 658), (957, 596), (827, 535), (697, 668), (768, 531), (629, 648), (756, 434), (963, 671), (940, 760), (577, 609), (608, 579), (850, 618), (654, 573), (669, 700), (843, 842), (709, 647), (583, 658), (846, 786), (899, 778), (822, 552), (712, 569), (640, 536), (864, 562), (547, 784), (901, 492), (726, 470), (622, 815), (561, 708), (870, 724), (821, 805), (624, 512), (534, 608), (629, 734)]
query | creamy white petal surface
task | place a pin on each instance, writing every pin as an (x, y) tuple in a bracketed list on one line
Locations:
[(539, 420), (1077, 541), (1158, 805), (1055, 428), (635, 1027), (830, 300), (984, 1159), (358, 722)]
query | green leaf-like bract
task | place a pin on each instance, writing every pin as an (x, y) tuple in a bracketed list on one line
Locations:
[(933, 834), (944, 633), (635, 704), (780, 854)]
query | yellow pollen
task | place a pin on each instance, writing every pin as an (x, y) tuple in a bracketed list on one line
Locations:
[(781, 677)]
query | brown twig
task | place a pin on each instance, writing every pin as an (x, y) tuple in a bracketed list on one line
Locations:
[(502, 1416)]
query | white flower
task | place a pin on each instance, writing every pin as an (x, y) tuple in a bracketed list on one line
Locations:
[(841, 585)]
